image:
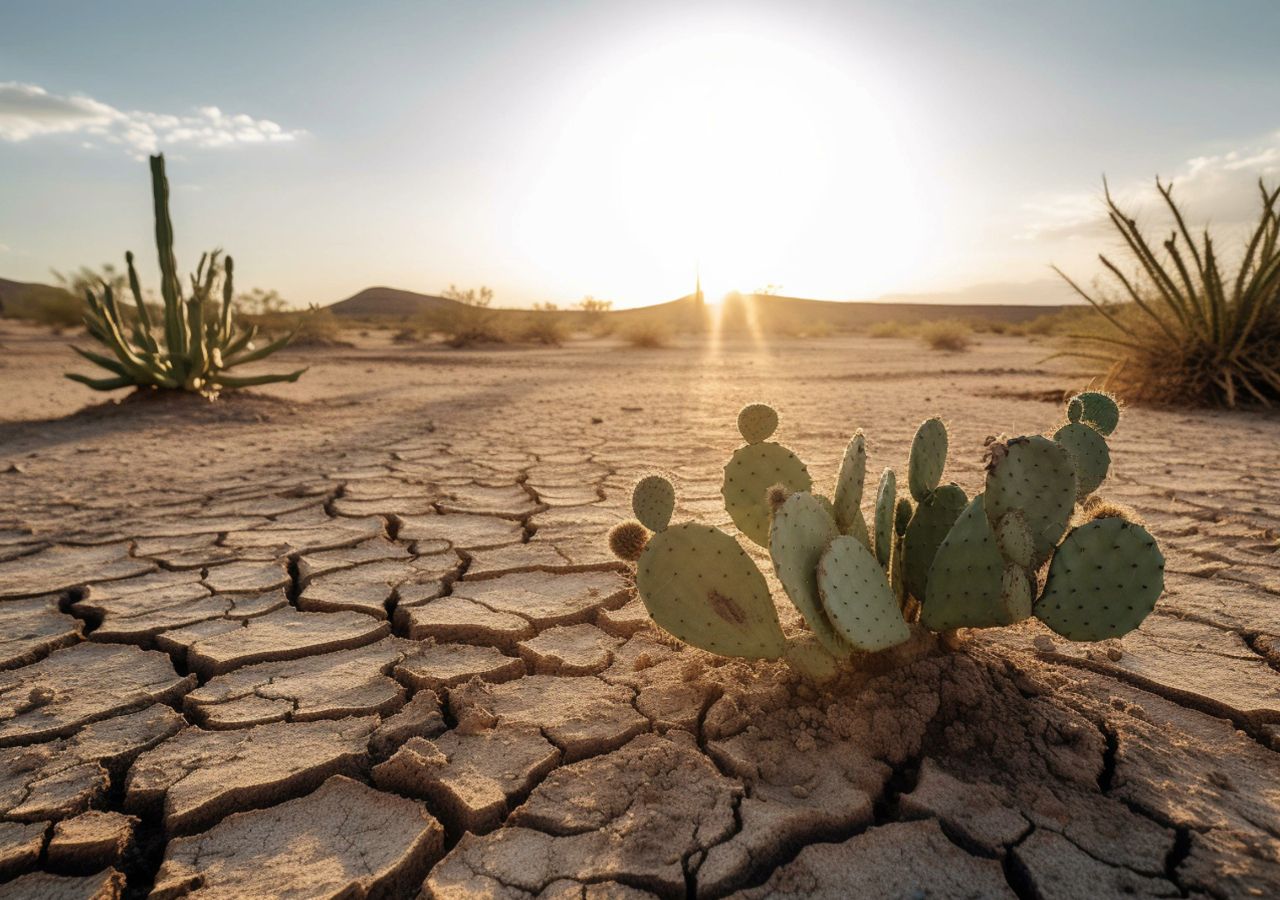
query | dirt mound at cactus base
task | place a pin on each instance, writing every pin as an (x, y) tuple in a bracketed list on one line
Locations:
[(381, 599)]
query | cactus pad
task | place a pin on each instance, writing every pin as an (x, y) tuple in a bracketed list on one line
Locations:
[(653, 501), (848, 496), (1075, 409), (886, 508), (1015, 593), (1014, 539), (1099, 410), (700, 585), (757, 422), (857, 598), (806, 656), (1104, 580), (1037, 476), (749, 475), (1089, 454), (929, 525), (800, 533), (928, 458), (966, 578)]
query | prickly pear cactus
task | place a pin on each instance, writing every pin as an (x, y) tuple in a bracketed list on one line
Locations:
[(928, 459), (754, 469), (1013, 538), (966, 579), (698, 584), (653, 501), (1037, 476), (806, 655), (1099, 410), (928, 527), (886, 509), (1089, 455), (800, 533), (848, 495), (1016, 593), (1104, 580), (857, 598)]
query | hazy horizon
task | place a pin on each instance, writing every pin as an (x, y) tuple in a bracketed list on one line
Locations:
[(843, 151)]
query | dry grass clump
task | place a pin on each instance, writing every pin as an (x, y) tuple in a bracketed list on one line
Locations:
[(1185, 327), (890, 328), (542, 328), (647, 335), (949, 335), (314, 327)]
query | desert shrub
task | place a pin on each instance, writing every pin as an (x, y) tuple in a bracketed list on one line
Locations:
[(889, 328), (647, 335), (469, 321), (1187, 327), (46, 306), (314, 327), (198, 339), (993, 326), (950, 335), (542, 328)]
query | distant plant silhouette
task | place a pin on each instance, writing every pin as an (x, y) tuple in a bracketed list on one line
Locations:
[(199, 341), (471, 322), (946, 334), (1182, 329)]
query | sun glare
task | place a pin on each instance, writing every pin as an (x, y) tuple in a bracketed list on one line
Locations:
[(766, 163)]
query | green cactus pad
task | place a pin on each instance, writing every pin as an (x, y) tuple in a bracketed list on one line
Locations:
[(886, 507), (902, 516), (929, 525), (857, 597), (966, 579), (700, 585), (928, 458), (1075, 409), (1104, 580), (848, 496), (1015, 593), (1014, 539), (1037, 476), (806, 655), (747, 478), (757, 422), (1089, 454), (800, 533), (653, 501), (1099, 410)]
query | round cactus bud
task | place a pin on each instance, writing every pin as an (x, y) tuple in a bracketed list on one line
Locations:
[(1075, 409), (653, 501), (776, 496), (628, 539), (1099, 508), (757, 422)]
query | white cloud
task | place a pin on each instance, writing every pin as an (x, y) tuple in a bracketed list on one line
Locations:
[(28, 111), (1220, 189)]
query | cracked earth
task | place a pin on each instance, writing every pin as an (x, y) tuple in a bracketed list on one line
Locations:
[(361, 636)]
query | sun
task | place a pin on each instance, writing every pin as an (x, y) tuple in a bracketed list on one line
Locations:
[(758, 160)]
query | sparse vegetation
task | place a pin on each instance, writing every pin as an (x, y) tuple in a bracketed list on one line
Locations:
[(889, 328), (201, 340), (647, 335), (45, 306), (949, 335), (543, 327), (471, 322), (1184, 327)]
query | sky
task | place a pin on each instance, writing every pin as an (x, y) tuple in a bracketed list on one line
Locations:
[(553, 150)]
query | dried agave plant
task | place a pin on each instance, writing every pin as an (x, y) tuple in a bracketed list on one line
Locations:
[(198, 342), (1183, 329)]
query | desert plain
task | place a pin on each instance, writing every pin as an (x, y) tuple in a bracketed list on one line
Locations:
[(361, 636)]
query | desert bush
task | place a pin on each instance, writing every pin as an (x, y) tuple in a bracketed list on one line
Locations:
[(201, 340), (949, 335), (470, 321), (542, 328), (647, 335), (889, 328), (1186, 327), (314, 327), (46, 306)]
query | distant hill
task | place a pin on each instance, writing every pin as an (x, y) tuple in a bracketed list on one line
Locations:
[(40, 302), (377, 302)]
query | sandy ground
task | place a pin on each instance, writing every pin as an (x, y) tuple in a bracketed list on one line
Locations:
[(359, 636)]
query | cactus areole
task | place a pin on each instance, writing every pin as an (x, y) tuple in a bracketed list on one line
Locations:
[(944, 562)]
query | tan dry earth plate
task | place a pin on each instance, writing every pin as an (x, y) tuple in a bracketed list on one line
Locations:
[(398, 660)]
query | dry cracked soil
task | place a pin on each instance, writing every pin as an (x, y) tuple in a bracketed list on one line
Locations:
[(361, 637)]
